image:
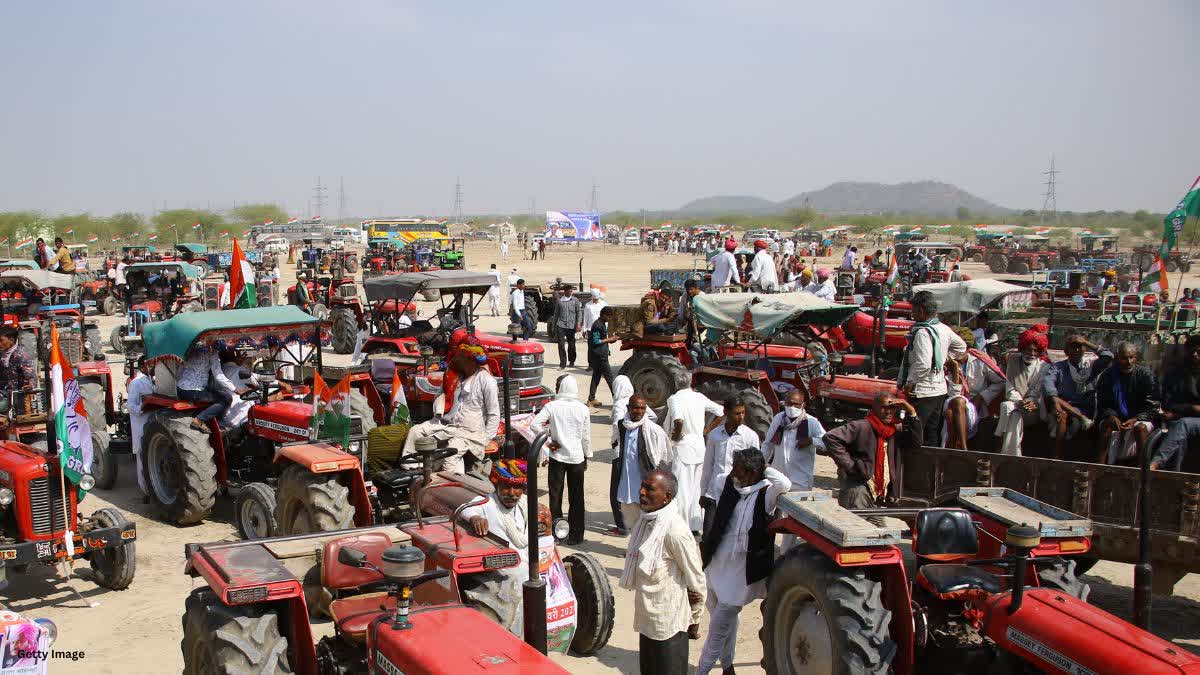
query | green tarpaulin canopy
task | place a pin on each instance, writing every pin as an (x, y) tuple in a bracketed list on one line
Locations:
[(257, 328), (768, 314)]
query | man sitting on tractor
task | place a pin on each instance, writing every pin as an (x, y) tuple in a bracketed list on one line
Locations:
[(868, 452), (17, 370), (201, 380), (62, 258), (472, 421), (1181, 409), (658, 314), (1070, 390)]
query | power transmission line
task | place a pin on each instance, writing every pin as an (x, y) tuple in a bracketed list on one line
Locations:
[(341, 214), (593, 206), (458, 200), (1050, 203), (319, 198)]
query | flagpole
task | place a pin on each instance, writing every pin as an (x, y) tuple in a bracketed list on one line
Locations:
[(52, 442)]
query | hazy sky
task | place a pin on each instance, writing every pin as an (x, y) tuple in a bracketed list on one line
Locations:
[(132, 105)]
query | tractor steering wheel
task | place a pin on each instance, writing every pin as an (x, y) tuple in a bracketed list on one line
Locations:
[(257, 394)]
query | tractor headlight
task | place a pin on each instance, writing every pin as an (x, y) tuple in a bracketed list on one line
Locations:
[(49, 629), (562, 528), (6, 496), (86, 482)]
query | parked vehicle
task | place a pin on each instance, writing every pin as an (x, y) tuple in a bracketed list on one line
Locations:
[(159, 290)]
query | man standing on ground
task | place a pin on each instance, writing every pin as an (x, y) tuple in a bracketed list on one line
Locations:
[(739, 552), (568, 320), (662, 568), (685, 427), (598, 352), (472, 420), (504, 249), (922, 375), (789, 247), (641, 446), (494, 291), (567, 452), (516, 302), (719, 446), (591, 308), (724, 268), (868, 452)]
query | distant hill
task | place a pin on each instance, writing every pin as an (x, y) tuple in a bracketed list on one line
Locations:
[(924, 197)]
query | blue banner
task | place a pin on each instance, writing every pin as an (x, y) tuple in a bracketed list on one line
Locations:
[(567, 226)]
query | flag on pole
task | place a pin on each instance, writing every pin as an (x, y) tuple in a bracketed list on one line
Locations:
[(331, 410), (241, 280), (153, 237), (293, 221), (1188, 207), (3, 241), (69, 230), (196, 226), (25, 242), (400, 414), (892, 272), (1156, 278), (224, 233), (268, 221), (93, 239), (171, 226), (916, 229), (1044, 230), (115, 238), (71, 427)]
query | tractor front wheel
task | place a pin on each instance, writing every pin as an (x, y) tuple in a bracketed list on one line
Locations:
[(345, 329), (595, 609), (201, 266), (1018, 267), (998, 264), (218, 638), (179, 467), (109, 306), (254, 511), (655, 375), (758, 411), (309, 502), (351, 265), (1172, 265), (113, 568), (104, 464), (117, 339), (819, 618)]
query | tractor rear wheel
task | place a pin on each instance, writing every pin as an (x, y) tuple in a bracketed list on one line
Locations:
[(202, 266), (93, 344), (104, 464), (758, 411), (351, 264), (108, 306), (254, 511), (218, 638), (819, 618), (179, 467), (998, 264), (114, 568), (309, 502), (1172, 265), (345, 329), (595, 609), (1062, 577), (655, 375), (1018, 267), (1143, 261), (116, 340)]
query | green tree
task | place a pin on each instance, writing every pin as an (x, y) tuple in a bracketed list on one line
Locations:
[(797, 218), (255, 214), (211, 225)]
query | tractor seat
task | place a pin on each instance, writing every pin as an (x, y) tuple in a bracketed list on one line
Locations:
[(948, 581), (352, 616), (382, 371), (944, 535)]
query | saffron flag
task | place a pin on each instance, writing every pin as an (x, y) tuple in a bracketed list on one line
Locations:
[(72, 431), (24, 242), (891, 277), (1156, 278), (242, 292), (331, 410), (196, 226), (1188, 207), (93, 239), (293, 221), (400, 414)]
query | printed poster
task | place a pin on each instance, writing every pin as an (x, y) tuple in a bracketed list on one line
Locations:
[(569, 226), (560, 598)]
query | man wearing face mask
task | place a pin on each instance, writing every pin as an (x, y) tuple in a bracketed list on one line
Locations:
[(719, 446), (1070, 390), (1181, 408), (1025, 370), (869, 452), (793, 440), (1124, 399), (922, 374), (739, 552)]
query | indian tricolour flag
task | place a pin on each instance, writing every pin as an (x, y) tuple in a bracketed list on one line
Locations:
[(293, 221), (331, 410), (93, 239), (69, 230), (268, 221), (1156, 278), (891, 277), (400, 414), (71, 427), (196, 226), (25, 242), (241, 280), (153, 237)]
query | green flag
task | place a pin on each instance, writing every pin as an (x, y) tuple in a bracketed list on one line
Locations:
[(1188, 207)]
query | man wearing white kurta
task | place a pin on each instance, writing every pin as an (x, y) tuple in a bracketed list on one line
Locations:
[(494, 291), (789, 247), (570, 447), (242, 378), (473, 419), (762, 269), (685, 427), (719, 446), (137, 390), (793, 441)]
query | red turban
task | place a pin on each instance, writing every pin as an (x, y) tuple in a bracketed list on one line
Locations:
[(1037, 335), (759, 245), (509, 472), (730, 245)]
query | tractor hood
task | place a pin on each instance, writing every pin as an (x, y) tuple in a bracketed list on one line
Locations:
[(454, 639), (291, 418), (502, 343), (19, 462)]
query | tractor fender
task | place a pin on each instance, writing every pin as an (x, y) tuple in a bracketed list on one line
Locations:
[(322, 458), (100, 370)]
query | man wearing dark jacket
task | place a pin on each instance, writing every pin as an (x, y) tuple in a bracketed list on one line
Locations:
[(1181, 409), (868, 452), (598, 352), (1069, 387), (1124, 394)]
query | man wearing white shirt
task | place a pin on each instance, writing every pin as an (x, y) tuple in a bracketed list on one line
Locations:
[(825, 288), (719, 446), (849, 258), (494, 291), (789, 247), (685, 427), (513, 277), (568, 450), (473, 418), (137, 390), (762, 269), (793, 441), (922, 374), (516, 303), (591, 309), (724, 267), (241, 377)]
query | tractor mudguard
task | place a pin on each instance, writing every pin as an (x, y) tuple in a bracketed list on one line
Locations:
[(321, 458), (101, 370)]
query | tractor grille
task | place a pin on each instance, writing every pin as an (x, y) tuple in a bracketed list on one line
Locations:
[(500, 560), (45, 506), (527, 369), (347, 291), (70, 340)]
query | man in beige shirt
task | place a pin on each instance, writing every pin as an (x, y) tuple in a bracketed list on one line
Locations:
[(662, 567)]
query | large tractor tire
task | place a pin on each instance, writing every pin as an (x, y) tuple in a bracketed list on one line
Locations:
[(254, 511), (179, 467), (218, 638), (1143, 261), (202, 266), (819, 618), (496, 597), (1185, 266), (116, 339), (108, 305), (351, 265), (308, 502), (595, 610), (345, 329), (655, 375), (758, 411), (998, 264), (104, 464), (1018, 267), (113, 568), (1062, 577)]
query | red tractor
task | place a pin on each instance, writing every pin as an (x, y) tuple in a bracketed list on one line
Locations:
[(995, 590), (412, 347), (334, 297), (160, 290), (96, 291), (1022, 255), (252, 616)]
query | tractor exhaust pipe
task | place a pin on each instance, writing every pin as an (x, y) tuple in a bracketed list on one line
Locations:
[(533, 591), (1143, 571)]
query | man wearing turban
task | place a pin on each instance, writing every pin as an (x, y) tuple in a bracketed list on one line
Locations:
[(1023, 401)]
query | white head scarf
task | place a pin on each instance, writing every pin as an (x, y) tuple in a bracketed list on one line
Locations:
[(567, 388), (597, 294)]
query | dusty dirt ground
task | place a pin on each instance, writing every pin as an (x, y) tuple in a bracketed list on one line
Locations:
[(139, 630)]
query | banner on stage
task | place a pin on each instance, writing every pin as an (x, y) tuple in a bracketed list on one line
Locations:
[(568, 226)]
